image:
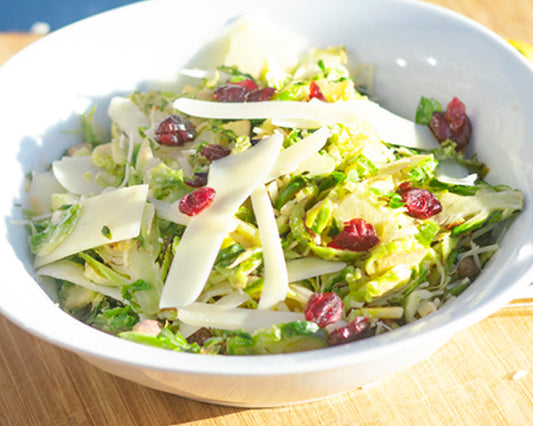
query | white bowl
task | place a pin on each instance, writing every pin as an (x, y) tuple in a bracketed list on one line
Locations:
[(417, 50)]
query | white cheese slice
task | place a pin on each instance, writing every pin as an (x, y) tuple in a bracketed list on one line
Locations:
[(318, 164), (233, 178), (128, 116), (73, 272), (77, 174), (451, 172), (254, 33), (170, 211), (42, 186), (289, 159), (231, 300), (216, 316), (390, 127), (309, 267), (120, 210), (276, 282)]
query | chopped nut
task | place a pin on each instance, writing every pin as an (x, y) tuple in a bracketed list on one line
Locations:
[(148, 326), (468, 269)]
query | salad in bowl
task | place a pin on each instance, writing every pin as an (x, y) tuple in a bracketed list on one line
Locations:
[(265, 208)]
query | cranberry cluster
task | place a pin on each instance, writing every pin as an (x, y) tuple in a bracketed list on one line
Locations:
[(245, 90), (452, 124), (325, 309)]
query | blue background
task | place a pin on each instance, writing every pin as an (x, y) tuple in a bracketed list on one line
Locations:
[(20, 15)]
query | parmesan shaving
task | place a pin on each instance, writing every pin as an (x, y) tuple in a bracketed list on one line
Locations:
[(231, 300), (76, 174), (128, 117), (309, 267), (390, 127), (451, 172), (170, 211), (289, 159), (233, 178), (73, 272), (119, 210), (224, 317), (276, 282)]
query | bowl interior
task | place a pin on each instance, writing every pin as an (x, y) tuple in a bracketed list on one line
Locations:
[(417, 50)]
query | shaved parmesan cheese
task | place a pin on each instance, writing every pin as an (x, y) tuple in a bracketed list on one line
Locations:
[(309, 267), (119, 210), (451, 172), (170, 212), (290, 158), (240, 127), (216, 316), (76, 174), (317, 164), (390, 127), (42, 186), (128, 116), (233, 178), (73, 272), (232, 300), (253, 33), (276, 283)]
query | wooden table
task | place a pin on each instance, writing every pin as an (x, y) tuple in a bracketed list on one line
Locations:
[(482, 376)]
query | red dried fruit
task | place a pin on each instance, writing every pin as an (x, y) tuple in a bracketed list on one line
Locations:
[(174, 130), (324, 308), (197, 201), (200, 179), (357, 235), (213, 152), (242, 91), (261, 95), (453, 124), (420, 203), (315, 92), (355, 330), (230, 93), (455, 113), (247, 83)]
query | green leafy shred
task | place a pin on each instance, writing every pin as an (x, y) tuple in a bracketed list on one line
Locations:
[(425, 109)]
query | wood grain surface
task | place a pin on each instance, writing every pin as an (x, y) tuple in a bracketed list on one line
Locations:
[(482, 376)]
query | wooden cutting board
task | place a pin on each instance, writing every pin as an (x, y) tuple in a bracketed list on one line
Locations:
[(482, 376)]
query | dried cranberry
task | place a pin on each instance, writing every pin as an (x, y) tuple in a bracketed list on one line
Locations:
[(197, 201), (455, 113), (315, 92), (200, 179), (419, 202), (174, 130), (439, 126), (357, 235), (453, 124), (243, 91), (261, 95), (230, 93), (214, 152), (324, 308), (355, 330), (247, 83)]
